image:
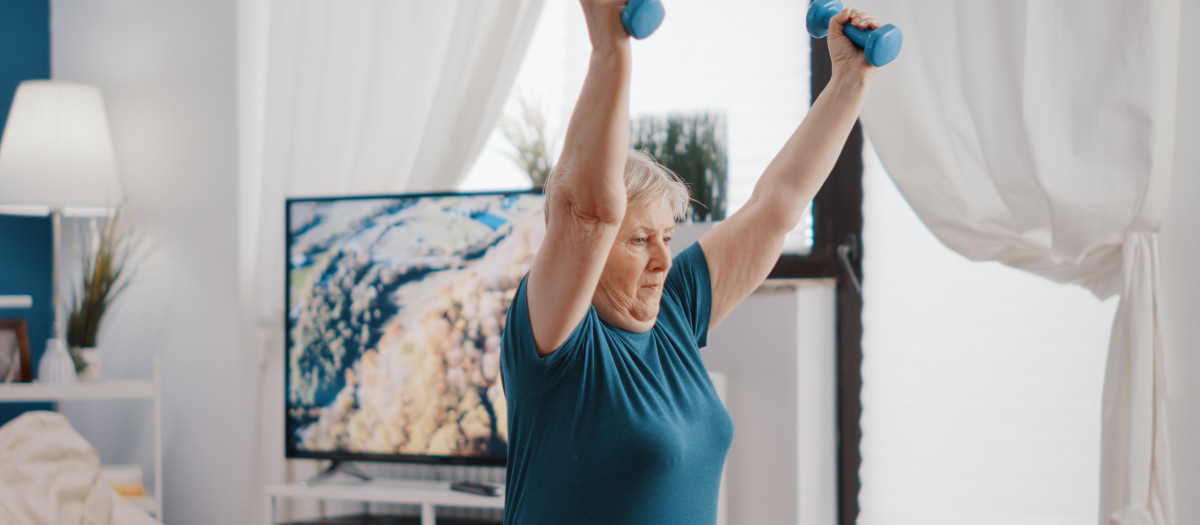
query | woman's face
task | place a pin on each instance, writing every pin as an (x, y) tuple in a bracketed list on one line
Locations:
[(631, 284)]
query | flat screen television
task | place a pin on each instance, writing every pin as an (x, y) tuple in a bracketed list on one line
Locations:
[(395, 305)]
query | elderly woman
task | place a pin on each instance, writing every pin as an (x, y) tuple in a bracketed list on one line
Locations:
[(612, 416)]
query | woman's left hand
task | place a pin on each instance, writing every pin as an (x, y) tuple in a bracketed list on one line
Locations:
[(848, 58)]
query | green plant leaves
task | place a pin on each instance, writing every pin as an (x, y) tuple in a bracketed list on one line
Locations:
[(694, 147), (106, 273)]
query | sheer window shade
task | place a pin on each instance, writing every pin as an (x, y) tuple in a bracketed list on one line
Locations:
[(981, 382)]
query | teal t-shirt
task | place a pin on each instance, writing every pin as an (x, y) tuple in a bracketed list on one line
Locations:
[(617, 427)]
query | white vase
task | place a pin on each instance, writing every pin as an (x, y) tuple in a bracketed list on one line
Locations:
[(56, 365), (91, 358)]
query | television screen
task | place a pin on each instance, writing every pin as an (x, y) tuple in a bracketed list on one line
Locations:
[(395, 305)]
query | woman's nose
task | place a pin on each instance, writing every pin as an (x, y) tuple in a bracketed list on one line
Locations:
[(660, 256)]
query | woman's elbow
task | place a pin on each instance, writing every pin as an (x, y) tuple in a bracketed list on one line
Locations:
[(775, 212), (600, 205)]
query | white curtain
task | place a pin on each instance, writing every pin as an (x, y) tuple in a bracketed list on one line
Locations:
[(343, 97), (1040, 135)]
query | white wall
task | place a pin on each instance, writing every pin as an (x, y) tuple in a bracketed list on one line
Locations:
[(167, 71), (1180, 285)]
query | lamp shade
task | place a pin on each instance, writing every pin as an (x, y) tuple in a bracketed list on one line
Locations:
[(57, 150)]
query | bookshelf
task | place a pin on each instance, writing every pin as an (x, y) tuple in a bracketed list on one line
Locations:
[(149, 390)]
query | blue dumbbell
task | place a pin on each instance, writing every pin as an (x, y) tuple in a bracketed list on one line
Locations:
[(642, 17), (879, 45)]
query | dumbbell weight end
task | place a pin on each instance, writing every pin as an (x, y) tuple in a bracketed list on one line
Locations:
[(642, 17), (880, 45)]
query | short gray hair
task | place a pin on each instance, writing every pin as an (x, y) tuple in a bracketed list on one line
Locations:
[(646, 180)]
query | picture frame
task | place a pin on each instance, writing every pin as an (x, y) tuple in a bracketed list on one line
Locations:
[(15, 364)]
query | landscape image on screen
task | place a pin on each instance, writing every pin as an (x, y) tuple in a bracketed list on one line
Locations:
[(395, 309)]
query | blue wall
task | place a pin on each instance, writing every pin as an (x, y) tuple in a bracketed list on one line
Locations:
[(24, 46), (25, 251)]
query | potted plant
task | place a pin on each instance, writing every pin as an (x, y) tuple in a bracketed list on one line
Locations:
[(692, 146), (105, 258), (531, 147)]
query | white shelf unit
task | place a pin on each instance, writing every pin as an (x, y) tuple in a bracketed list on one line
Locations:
[(428, 494), (102, 391)]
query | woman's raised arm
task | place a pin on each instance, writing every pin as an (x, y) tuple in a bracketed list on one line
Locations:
[(586, 192), (742, 249)]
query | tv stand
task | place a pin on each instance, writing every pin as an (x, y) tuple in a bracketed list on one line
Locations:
[(428, 494), (335, 466)]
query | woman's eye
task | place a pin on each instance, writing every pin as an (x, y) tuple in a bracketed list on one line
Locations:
[(667, 241), (640, 241)]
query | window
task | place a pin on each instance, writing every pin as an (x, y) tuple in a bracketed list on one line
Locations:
[(706, 57)]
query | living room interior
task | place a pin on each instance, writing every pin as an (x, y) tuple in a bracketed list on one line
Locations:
[(984, 317)]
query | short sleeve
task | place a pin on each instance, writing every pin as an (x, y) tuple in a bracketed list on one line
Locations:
[(689, 285), (519, 361)]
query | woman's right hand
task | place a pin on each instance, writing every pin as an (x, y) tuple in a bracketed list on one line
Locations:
[(604, 23), (847, 58)]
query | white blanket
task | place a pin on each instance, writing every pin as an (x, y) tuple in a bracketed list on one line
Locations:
[(49, 475)]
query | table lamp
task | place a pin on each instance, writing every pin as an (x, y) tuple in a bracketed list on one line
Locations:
[(57, 156)]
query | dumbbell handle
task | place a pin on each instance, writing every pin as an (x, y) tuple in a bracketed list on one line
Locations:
[(857, 35), (880, 45)]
